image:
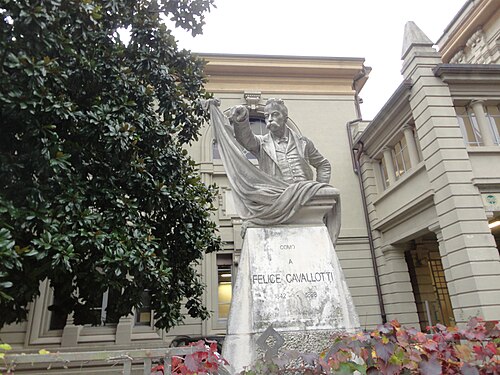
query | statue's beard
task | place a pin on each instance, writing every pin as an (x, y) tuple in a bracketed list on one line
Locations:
[(273, 126)]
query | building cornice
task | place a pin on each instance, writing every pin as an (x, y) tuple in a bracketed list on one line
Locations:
[(471, 16), (315, 75), (467, 73)]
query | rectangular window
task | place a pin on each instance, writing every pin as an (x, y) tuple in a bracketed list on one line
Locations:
[(493, 116), (469, 127), (101, 312), (385, 177), (99, 315), (224, 284), (58, 316), (143, 314), (102, 315), (401, 158)]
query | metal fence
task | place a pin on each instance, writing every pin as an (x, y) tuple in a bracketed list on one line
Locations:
[(125, 358)]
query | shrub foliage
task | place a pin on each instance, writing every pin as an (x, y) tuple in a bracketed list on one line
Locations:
[(391, 349), (96, 191)]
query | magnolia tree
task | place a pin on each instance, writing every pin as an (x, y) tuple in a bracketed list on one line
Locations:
[(97, 193)]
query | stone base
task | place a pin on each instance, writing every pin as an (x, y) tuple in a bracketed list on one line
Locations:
[(289, 277)]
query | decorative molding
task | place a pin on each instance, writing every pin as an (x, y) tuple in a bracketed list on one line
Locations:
[(252, 98), (477, 39), (473, 51), (406, 211), (468, 21), (458, 58)]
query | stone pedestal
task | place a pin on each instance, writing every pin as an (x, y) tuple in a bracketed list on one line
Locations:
[(289, 277)]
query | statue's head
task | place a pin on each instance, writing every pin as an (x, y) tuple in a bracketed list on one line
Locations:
[(275, 114)]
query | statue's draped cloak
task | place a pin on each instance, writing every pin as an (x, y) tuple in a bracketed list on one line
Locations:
[(260, 198)]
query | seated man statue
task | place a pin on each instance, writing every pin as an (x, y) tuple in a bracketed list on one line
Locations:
[(283, 185), (282, 153)]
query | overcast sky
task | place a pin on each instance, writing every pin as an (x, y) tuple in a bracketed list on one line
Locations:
[(371, 29)]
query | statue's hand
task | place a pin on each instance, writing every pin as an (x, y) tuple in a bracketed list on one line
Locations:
[(238, 113)]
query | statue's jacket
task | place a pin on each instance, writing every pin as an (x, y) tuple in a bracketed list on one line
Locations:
[(262, 146)]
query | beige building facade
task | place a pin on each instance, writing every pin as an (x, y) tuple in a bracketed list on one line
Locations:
[(429, 162), (420, 185)]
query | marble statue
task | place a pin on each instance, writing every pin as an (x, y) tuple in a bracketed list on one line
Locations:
[(273, 193), (289, 282)]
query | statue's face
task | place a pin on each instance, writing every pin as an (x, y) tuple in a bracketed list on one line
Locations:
[(275, 119)]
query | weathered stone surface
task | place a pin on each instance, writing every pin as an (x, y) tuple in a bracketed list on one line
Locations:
[(289, 277)]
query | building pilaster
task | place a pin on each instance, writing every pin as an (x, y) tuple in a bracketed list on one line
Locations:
[(399, 300), (71, 333), (469, 254), (124, 330)]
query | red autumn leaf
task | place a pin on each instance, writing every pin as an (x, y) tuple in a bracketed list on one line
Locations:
[(450, 336), (362, 336), (389, 369), (191, 362), (364, 354), (178, 366), (492, 349), (414, 355), (468, 369), (213, 346), (481, 354), (384, 351), (420, 337), (430, 366), (440, 327), (430, 345)]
